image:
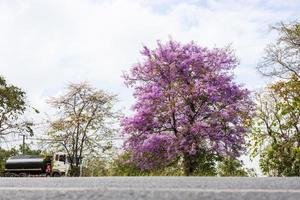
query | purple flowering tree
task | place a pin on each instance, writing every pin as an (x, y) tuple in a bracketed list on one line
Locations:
[(186, 104)]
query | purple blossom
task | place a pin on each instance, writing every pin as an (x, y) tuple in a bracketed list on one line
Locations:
[(186, 100)]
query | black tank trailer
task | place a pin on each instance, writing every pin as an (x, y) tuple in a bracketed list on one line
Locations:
[(27, 165)]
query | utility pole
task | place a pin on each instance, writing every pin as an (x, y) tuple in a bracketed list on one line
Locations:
[(23, 147)]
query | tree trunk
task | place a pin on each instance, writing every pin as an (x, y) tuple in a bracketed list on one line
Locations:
[(187, 165), (75, 171)]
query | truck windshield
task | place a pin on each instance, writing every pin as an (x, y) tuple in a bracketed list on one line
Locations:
[(62, 158)]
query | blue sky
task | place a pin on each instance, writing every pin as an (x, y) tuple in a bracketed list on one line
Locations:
[(46, 44)]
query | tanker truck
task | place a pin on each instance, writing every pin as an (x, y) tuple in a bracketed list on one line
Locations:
[(28, 165)]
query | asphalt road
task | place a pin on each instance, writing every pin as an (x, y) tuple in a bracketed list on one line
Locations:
[(154, 188)]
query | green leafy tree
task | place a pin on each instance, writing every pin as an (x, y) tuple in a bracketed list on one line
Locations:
[(276, 134), (12, 106)]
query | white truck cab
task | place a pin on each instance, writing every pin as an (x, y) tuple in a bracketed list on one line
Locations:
[(60, 165)]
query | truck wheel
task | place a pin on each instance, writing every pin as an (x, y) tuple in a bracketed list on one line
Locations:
[(56, 174), (22, 174), (12, 175)]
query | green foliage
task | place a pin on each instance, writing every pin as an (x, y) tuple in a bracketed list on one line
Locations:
[(12, 98), (282, 159), (96, 167), (122, 167), (205, 165), (276, 134), (28, 150), (230, 166), (4, 155), (12, 106)]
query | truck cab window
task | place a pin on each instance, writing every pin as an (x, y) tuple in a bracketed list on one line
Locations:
[(62, 158)]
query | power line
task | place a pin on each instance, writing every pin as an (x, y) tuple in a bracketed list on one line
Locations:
[(48, 139)]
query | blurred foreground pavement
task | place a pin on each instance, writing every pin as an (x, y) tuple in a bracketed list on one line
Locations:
[(154, 188)]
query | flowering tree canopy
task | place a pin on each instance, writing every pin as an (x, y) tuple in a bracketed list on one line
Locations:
[(186, 104)]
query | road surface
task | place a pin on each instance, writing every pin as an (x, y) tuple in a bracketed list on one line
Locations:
[(154, 188)]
